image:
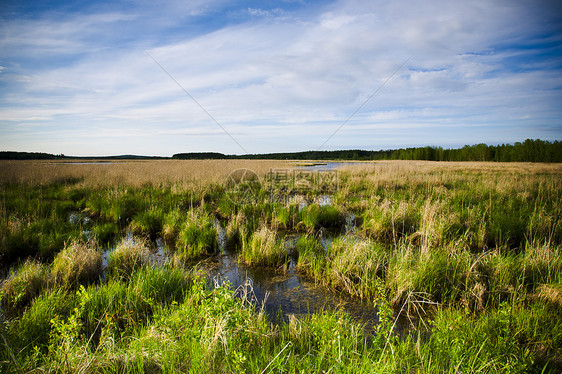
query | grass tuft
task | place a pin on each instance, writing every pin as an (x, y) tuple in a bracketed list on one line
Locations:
[(129, 255), (263, 248), (22, 285), (78, 263), (197, 237)]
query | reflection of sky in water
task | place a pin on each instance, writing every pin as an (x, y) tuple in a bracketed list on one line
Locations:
[(287, 293), (329, 165), (284, 293)]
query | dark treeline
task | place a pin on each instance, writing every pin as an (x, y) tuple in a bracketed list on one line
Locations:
[(201, 156), (527, 151), (10, 155), (7, 155)]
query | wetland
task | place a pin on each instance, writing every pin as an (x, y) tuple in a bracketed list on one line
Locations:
[(156, 266)]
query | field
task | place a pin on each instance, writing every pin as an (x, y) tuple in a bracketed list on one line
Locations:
[(469, 253)]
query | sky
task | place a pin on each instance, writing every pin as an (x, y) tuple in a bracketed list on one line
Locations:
[(95, 78)]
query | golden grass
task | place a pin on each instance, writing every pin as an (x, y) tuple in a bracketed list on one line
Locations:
[(187, 173), (551, 293), (78, 263), (179, 173), (130, 254)]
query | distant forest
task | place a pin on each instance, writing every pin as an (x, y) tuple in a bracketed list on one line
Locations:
[(527, 151)]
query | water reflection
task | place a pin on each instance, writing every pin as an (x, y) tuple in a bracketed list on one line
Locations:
[(285, 293)]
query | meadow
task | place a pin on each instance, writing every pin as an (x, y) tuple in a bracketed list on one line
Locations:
[(468, 252)]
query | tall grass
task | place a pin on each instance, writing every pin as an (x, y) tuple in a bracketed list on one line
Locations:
[(311, 255), (129, 255), (22, 285), (197, 236), (475, 245), (314, 216), (78, 263), (263, 248)]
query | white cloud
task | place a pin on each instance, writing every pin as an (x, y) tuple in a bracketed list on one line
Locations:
[(292, 79)]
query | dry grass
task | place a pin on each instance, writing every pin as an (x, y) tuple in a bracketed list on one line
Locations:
[(551, 293), (130, 254), (180, 173), (78, 263), (433, 174)]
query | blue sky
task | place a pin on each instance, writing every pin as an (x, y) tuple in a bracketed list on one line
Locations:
[(78, 77)]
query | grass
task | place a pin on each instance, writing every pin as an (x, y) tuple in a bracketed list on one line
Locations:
[(197, 236), (314, 216), (79, 263), (148, 222), (22, 285), (471, 250), (263, 248), (129, 255)]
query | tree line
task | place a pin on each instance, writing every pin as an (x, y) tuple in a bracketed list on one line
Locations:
[(528, 151)]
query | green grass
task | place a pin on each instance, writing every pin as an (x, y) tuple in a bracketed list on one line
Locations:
[(314, 216), (129, 255), (22, 285), (474, 251), (105, 232), (197, 236), (311, 256), (79, 263), (264, 248), (148, 222)]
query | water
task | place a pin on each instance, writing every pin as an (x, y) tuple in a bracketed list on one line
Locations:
[(285, 293), (281, 294), (90, 163), (329, 165)]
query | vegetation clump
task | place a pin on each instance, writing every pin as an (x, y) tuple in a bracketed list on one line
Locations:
[(22, 285), (78, 263), (263, 248), (129, 255), (197, 236)]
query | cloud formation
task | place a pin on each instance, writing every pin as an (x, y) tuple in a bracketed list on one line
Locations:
[(283, 78)]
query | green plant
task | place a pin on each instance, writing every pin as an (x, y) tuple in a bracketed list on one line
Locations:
[(197, 236), (148, 222), (264, 249), (78, 263), (22, 285), (129, 255)]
